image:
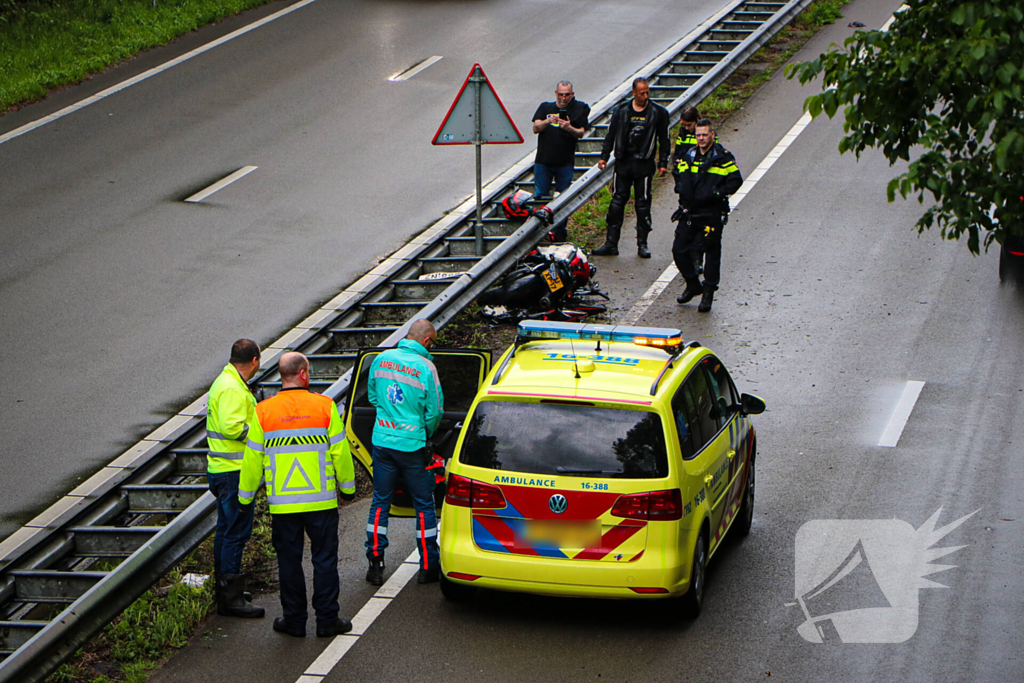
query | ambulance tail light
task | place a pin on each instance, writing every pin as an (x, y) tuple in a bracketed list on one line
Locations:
[(469, 493), (655, 506), (649, 591), (632, 506), (666, 506)]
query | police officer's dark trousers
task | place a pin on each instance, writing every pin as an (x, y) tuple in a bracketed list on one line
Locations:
[(322, 528), (693, 233), (630, 178)]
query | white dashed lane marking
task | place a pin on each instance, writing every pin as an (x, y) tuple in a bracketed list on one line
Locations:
[(221, 184), (905, 406)]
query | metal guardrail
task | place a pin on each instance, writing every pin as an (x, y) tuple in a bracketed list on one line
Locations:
[(73, 569)]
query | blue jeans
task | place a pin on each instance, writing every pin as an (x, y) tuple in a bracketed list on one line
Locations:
[(542, 177), (234, 527), (388, 463), (322, 528)]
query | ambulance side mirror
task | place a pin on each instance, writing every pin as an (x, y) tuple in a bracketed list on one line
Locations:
[(751, 405)]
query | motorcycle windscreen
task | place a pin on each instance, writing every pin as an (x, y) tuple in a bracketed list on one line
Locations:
[(460, 371)]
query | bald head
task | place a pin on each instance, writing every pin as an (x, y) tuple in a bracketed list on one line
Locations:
[(294, 369), (422, 331)]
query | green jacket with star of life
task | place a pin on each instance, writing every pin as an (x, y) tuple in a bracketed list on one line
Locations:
[(405, 389)]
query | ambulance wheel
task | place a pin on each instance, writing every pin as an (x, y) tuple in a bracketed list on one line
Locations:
[(456, 592), (745, 518), (694, 597)]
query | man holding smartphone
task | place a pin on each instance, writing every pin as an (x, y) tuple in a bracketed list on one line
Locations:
[(559, 125)]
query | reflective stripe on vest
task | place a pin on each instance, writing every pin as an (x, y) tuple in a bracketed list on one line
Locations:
[(227, 455), (243, 437)]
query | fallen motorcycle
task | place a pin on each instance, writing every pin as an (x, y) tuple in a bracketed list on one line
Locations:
[(552, 282)]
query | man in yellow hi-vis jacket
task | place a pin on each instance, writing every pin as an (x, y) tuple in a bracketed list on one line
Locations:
[(297, 443), (229, 410)]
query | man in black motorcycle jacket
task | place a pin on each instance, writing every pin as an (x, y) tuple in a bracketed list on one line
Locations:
[(636, 128), (706, 175)]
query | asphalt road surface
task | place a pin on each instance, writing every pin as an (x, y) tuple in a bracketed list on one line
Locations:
[(830, 304), (119, 302)]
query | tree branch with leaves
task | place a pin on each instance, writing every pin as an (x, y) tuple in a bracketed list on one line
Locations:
[(942, 89)]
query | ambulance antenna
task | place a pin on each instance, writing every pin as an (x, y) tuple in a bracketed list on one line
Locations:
[(576, 367)]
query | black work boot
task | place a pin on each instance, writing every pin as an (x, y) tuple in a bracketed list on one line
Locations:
[(339, 627), (375, 574), (431, 575), (705, 302), (641, 244), (611, 242), (281, 626), (231, 602), (692, 289)]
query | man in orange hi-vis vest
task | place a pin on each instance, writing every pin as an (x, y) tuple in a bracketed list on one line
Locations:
[(298, 443)]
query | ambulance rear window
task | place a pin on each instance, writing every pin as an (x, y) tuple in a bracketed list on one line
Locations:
[(565, 440)]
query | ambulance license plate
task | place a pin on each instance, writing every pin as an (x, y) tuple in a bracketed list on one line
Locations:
[(561, 534)]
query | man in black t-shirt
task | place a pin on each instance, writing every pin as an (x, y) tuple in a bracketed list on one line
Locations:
[(559, 125)]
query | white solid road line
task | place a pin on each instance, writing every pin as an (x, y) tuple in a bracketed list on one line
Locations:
[(103, 94), (412, 71), (666, 278), (338, 647), (905, 406), (221, 184)]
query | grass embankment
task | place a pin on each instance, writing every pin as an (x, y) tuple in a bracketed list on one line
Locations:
[(47, 44)]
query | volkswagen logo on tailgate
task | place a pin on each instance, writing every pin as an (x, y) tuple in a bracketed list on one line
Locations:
[(558, 503)]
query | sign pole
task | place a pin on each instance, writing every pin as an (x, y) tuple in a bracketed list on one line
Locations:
[(478, 80), (464, 125)]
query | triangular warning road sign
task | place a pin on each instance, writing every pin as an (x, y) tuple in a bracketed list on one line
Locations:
[(301, 487), (459, 126)]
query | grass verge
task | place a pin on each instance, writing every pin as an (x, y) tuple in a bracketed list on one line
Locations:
[(47, 44), (759, 69)]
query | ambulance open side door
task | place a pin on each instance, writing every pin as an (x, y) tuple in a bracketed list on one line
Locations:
[(461, 372)]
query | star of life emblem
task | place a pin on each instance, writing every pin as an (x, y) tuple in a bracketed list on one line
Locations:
[(395, 394)]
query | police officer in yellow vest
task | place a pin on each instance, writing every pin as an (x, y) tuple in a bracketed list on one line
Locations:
[(230, 408), (297, 445)]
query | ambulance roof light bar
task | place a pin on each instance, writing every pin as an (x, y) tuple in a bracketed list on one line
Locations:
[(669, 339)]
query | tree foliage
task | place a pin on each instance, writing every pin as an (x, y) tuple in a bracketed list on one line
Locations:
[(946, 80)]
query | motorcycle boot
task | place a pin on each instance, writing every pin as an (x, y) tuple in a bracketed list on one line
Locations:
[(232, 602), (705, 302), (642, 231), (692, 289), (611, 242), (375, 574)]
